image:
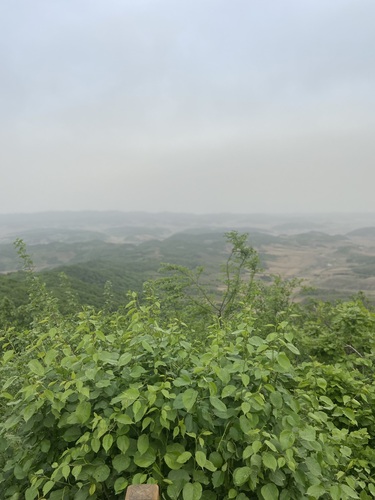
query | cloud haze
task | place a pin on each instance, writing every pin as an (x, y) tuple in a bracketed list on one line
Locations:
[(193, 106)]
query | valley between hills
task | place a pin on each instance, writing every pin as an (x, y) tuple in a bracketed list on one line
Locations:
[(333, 254)]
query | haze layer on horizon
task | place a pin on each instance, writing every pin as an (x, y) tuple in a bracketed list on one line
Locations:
[(190, 106)]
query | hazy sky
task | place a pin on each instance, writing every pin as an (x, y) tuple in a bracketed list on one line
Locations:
[(187, 105)]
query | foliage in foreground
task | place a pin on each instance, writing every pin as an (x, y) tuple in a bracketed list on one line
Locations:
[(224, 407)]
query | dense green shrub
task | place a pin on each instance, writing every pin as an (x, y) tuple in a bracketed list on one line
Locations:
[(95, 411)]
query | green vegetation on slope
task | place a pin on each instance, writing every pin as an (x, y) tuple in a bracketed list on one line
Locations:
[(229, 392), (334, 266)]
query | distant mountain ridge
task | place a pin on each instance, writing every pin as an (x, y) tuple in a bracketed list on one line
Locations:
[(367, 232), (114, 224)]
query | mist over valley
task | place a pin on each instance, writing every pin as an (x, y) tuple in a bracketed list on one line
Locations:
[(333, 254)]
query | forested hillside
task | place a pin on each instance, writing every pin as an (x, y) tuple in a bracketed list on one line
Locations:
[(215, 385), (91, 249)]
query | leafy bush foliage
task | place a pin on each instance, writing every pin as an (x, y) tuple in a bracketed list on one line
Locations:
[(223, 407)]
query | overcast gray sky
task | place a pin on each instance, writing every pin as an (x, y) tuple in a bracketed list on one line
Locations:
[(187, 105)]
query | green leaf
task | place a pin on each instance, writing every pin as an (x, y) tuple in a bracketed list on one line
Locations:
[(107, 357), (218, 404), (308, 434), (29, 411), (189, 398), (269, 460), (122, 418), (143, 443), (107, 442), (256, 341), (139, 409), (345, 451), (95, 445), (48, 487), (65, 471), (256, 446), (146, 459), (241, 496), (76, 471), (50, 356), (120, 485), (192, 491), (8, 355), (245, 424), (270, 492), (329, 404), (36, 367), (349, 414), (173, 452), (137, 371), (283, 362), (346, 399), (83, 412), (276, 399), (181, 382), (218, 478), (245, 407), (292, 348), (184, 457), (123, 443), (223, 374), (322, 383), (31, 493), (121, 462), (45, 445), (210, 466), (270, 445), (127, 397), (313, 466), (335, 492), (176, 481), (146, 346), (241, 475), (228, 391), (216, 459), (286, 439), (316, 490), (349, 491), (72, 434), (9, 381), (124, 359), (200, 457), (101, 473)]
